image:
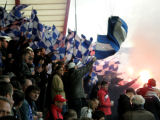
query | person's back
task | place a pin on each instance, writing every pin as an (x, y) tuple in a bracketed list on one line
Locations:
[(138, 111), (138, 114)]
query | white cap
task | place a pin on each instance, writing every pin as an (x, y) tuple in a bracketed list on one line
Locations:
[(71, 65)]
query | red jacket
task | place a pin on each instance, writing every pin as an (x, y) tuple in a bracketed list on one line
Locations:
[(56, 113), (105, 103)]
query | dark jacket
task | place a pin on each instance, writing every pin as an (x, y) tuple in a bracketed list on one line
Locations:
[(124, 105), (75, 81), (152, 104), (138, 114)]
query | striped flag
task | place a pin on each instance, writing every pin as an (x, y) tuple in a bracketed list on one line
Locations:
[(109, 44)]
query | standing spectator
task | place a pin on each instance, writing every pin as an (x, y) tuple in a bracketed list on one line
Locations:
[(138, 111), (76, 96), (5, 106), (152, 103), (57, 87), (95, 90), (124, 102), (56, 108), (105, 103)]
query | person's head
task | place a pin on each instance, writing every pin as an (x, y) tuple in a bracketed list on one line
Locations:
[(42, 51), (32, 93), (15, 83), (138, 101), (130, 92), (5, 106), (93, 103), (26, 83), (59, 101), (26, 56), (98, 84), (70, 115), (18, 97), (60, 70), (151, 82), (104, 85), (98, 115), (6, 90)]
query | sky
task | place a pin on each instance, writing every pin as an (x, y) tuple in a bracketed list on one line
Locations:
[(143, 19)]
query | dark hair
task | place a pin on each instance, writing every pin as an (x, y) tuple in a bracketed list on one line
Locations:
[(104, 82), (70, 114), (5, 88), (98, 114), (30, 89), (58, 67), (8, 118), (130, 90), (15, 83), (18, 96)]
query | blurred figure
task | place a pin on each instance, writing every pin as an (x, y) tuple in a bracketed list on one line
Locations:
[(149, 87), (56, 108), (98, 115), (5, 106), (124, 102), (152, 103), (104, 100), (70, 115), (18, 97), (95, 89), (138, 111), (92, 106)]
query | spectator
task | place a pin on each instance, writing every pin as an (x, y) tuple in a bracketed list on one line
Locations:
[(92, 106), (70, 115), (5, 106), (98, 115), (105, 103), (76, 96), (8, 118), (31, 95), (138, 111), (4, 78), (95, 90), (56, 108), (124, 102), (152, 103), (18, 98), (25, 110), (6, 90)]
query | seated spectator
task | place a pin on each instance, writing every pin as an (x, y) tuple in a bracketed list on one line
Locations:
[(98, 115), (16, 84), (25, 110), (18, 97), (4, 78), (5, 106), (92, 106), (31, 95), (70, 115), (124, 102), (56, 108), (6, 90), (138, 111)]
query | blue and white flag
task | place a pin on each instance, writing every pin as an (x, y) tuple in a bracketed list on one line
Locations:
[(109, 44)]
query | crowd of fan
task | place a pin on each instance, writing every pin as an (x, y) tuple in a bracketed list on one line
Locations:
[(33, 87)]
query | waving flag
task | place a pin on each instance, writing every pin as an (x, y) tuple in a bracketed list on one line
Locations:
[(109, 44)]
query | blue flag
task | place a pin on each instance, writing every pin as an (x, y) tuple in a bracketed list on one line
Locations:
[(109, 44)]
